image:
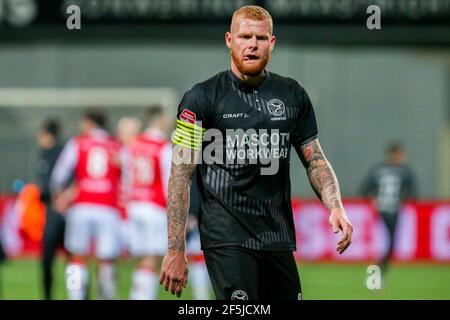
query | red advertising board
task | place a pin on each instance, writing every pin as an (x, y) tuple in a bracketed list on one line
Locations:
[(423, 231)]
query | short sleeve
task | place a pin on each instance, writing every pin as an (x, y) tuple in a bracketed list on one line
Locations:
[(191, 119), (305, 128), (64, 166)]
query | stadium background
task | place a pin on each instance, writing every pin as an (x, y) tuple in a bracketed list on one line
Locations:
[(369, 87)]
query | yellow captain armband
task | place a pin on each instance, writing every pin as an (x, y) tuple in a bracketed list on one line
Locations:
[(188, 135)]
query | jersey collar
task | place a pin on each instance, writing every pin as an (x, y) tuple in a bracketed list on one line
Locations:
[(99, 133), (242, 84)]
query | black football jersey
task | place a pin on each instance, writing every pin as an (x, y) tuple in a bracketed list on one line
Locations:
[(244, 135)]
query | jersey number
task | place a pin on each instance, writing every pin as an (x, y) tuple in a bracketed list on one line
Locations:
[(143, 170), (97, 163), (389, 193)]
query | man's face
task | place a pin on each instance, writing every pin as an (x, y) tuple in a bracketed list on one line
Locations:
[(250, 43), (398, 157), (85, 125), (44, 139), (127, 130)]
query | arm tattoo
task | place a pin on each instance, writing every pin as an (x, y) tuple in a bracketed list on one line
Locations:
[(178, 201), (321, 174)]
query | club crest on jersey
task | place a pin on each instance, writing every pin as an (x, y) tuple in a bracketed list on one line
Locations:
[(276, 107), (188, 116)]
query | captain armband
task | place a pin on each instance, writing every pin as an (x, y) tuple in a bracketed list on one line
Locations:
[(188, 135)]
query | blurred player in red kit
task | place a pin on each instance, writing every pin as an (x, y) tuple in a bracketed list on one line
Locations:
[(128, 128), (92, 158), (148, 166)]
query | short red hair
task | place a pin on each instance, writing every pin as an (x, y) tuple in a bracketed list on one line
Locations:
[(254, 13)]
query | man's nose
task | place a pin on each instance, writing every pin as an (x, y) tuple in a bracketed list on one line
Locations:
[(254, 43)]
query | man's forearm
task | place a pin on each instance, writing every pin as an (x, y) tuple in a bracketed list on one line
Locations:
[(324, 182), (178, 204), (321, 175)]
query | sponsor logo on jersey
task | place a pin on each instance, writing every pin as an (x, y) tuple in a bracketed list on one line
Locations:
[(188, 116), (239, 295), (235, 115)]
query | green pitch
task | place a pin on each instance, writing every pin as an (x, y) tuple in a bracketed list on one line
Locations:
[(19, 279)]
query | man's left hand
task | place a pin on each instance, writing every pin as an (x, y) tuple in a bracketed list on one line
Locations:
[(339, 221)]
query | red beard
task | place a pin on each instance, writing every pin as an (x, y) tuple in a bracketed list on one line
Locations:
[(250, 70)]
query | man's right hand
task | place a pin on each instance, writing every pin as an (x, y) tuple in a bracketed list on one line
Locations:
[(174, 272), (63, 200)]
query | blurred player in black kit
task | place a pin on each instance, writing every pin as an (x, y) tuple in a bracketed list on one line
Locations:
[(246, 224), (390, 184), (48, 138)]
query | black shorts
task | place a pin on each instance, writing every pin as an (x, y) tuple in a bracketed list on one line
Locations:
[(241, 274)]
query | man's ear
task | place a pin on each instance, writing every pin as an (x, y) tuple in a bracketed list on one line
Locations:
[(272, 43), (228, 39)]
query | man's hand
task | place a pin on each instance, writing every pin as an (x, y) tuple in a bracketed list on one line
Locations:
[(174, 272), (63, 200), (339, 221)]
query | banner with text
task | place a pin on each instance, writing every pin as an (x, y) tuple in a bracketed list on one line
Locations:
[(423, 231)]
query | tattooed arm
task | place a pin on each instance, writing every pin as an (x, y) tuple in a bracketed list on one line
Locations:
[(325, 184), (178, 203), (321, 175), (174, 270)]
